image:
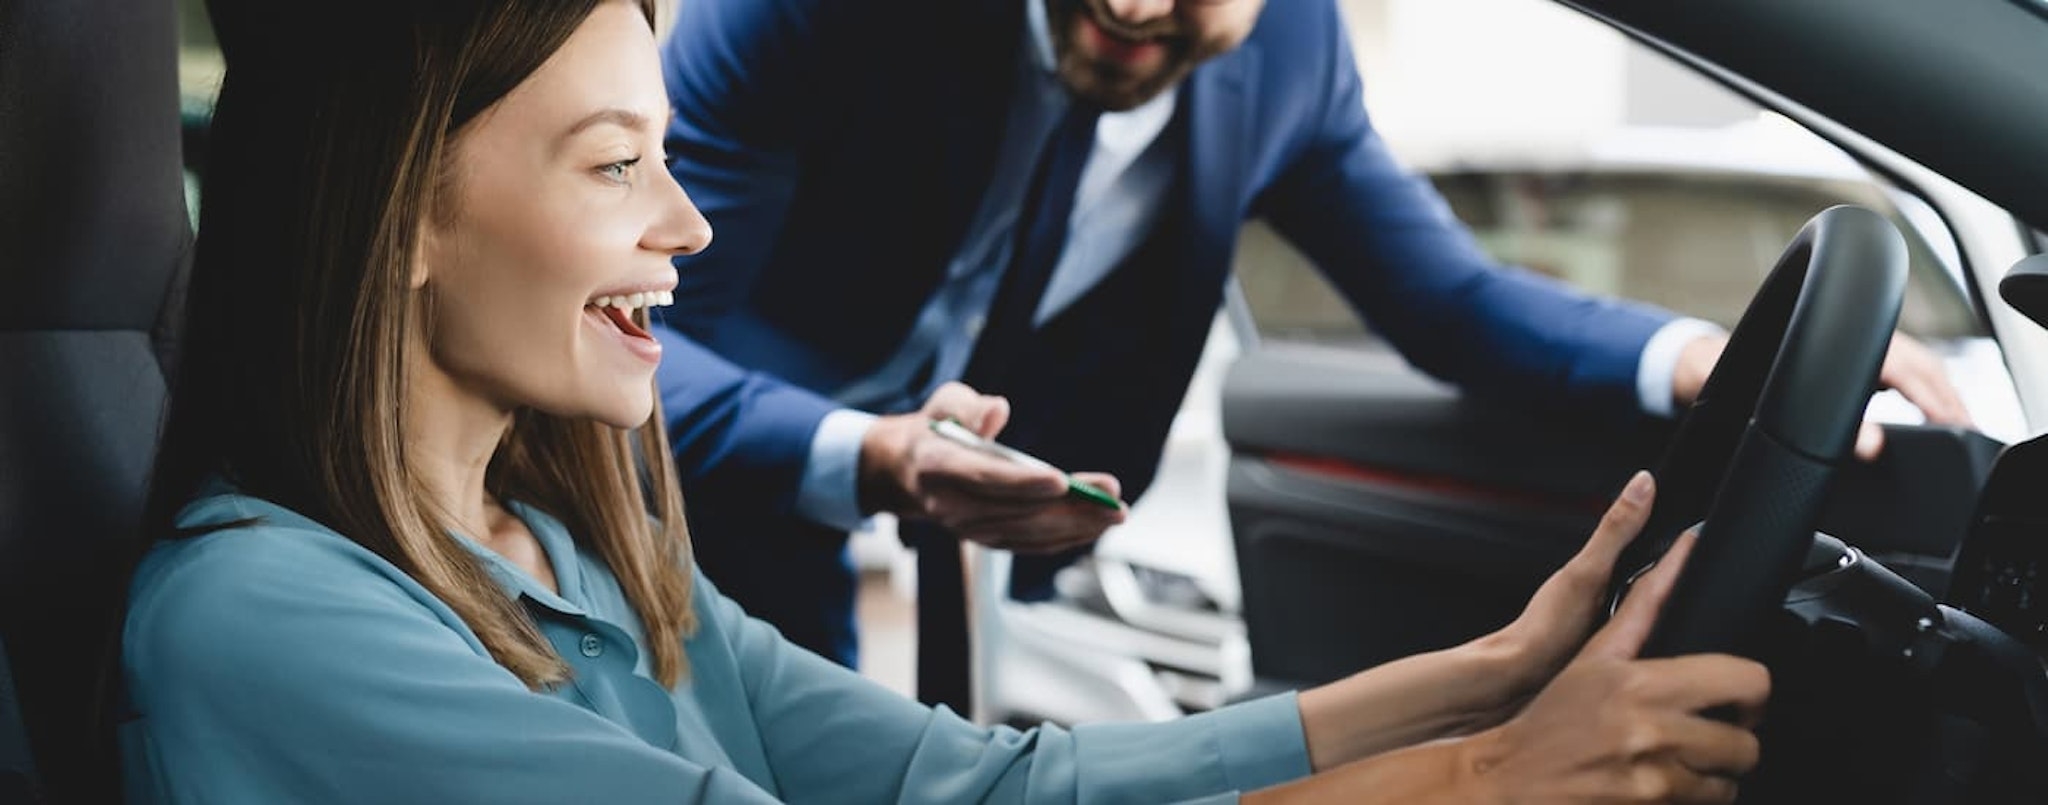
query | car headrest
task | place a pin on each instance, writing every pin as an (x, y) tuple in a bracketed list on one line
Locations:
[(94, 237), (92, 215)]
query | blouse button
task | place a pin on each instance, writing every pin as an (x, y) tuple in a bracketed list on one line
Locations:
[(592, 646)]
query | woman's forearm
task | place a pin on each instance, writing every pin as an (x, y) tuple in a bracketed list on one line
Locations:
[(1405, 702), (1424, 774)]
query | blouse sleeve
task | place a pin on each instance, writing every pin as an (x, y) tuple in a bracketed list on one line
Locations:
[(833, 736)]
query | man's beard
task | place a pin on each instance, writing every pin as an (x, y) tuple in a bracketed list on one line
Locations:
[(1107, 84)]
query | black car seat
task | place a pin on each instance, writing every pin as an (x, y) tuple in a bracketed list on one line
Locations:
[(94, 237)]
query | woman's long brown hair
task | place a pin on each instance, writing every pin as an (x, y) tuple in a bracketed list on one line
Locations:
[(321, 163)]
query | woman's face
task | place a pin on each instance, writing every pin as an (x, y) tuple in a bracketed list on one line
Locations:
[(560, 221)]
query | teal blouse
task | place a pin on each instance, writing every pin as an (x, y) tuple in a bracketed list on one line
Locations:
[(280, 662)]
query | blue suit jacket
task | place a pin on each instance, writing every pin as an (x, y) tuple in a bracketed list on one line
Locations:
[(839, 157)]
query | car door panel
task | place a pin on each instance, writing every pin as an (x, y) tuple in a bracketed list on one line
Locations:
[(1379, 513)]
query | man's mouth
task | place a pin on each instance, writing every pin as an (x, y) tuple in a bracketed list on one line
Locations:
[(1112, 43), (1157, 29)]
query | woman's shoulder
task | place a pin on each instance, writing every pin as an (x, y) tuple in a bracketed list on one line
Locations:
[(250, 561), (264, 595), (234, 536)]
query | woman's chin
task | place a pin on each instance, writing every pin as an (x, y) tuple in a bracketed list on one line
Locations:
[(627, 409), (628, 416)]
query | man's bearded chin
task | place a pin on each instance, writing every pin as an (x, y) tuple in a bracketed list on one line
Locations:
[(1106, 85), (1117, 92)]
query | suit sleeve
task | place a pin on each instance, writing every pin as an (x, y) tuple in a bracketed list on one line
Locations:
[(734, 429), (737, 110), (833, 736), (1393, 248)]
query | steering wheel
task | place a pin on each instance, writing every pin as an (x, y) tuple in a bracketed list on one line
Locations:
[(1751, 459)]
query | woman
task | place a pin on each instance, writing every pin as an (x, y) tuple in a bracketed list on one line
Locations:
[(422, 540)]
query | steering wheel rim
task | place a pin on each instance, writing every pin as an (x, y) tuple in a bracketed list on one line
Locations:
[(1752, 458)]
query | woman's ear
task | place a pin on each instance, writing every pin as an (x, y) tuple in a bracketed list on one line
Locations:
[(423, 249)]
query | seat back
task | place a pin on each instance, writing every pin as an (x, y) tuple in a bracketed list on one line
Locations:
[(94, 237)]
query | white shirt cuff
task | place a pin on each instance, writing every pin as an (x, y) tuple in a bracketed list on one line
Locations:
[(1659, 365), (829, 490)]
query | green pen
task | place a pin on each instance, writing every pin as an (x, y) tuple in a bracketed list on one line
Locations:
[(951, 430)]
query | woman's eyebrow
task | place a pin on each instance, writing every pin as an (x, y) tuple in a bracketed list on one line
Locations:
[(623, 118)]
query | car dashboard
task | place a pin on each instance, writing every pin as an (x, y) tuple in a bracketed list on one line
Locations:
[(1926, 683)]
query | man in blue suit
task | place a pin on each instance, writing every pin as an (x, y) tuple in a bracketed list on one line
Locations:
[(883, 178)]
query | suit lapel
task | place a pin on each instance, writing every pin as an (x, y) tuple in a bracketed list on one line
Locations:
[(1218, 98), (1206, 203)]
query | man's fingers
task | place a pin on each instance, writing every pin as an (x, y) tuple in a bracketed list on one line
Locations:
[(1695, 363), (1919, 375), (1052, 529), (943, 465), (1935, 398), (1869, 441), (952, 399), (992, 480), (1103, 481), (1624, 634), (1929, 390), (960, 510), (995, 414), (985, 414), (964, 512), (965, 505)]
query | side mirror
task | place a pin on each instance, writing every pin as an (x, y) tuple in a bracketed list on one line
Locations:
[(2025, 287)]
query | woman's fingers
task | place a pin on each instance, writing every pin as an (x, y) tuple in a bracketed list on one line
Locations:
[(1618, 526), (1624, 634), (1714, 747), (1722, 682), (1682, 785)]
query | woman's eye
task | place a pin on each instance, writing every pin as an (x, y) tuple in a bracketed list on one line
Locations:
[(620, 170)]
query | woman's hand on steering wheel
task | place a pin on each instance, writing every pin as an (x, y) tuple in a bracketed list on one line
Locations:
[(1593, 721), (1555, 623)]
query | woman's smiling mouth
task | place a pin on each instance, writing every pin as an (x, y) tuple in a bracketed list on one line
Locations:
[(615, 313)]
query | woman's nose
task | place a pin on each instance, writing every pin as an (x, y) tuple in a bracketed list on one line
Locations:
[(681, 228)]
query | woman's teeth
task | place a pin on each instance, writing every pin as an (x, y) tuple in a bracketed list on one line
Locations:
[(635, 300)]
